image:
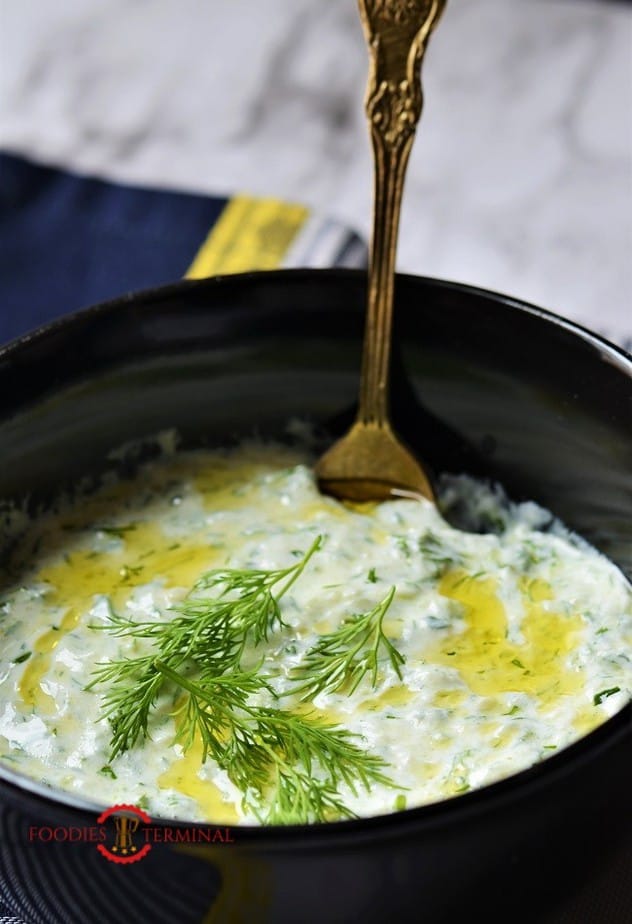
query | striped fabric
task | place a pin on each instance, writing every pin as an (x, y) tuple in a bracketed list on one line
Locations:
[(68, 241)]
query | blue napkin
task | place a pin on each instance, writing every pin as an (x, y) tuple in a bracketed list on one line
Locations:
[(67, 241)]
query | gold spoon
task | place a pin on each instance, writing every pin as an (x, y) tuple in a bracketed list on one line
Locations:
[(370, 462)]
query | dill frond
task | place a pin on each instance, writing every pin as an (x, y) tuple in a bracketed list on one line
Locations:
[(340, 659)]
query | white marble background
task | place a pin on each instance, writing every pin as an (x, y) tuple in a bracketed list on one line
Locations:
[(521, 178)]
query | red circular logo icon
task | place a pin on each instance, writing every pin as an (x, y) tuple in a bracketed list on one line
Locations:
[(127, 820)]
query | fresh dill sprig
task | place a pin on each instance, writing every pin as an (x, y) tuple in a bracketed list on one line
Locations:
[(247, 595), (133, 688), (212, 708), (289, 764), (209, 633), (245, 605), (340, 659)]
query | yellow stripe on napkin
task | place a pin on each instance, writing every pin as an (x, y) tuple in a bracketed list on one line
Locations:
[(249, 234)]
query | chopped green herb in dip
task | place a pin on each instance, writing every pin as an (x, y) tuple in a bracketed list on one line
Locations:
[(217, 641)]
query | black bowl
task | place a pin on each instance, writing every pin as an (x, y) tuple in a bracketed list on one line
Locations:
[(481, 382)]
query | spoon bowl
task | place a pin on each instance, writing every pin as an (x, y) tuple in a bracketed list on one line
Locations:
[(371, 463)]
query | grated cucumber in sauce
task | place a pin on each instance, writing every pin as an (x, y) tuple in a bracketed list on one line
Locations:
[(514, 644)]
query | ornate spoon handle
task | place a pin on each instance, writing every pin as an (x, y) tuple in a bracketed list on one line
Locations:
[(397, 32)]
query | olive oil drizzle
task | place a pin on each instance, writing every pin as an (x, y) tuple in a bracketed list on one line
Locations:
[(488, 662), (83, 574), (113, 549)]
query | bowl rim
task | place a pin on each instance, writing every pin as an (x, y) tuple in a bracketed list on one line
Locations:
[(427, 817), (157, 293)]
